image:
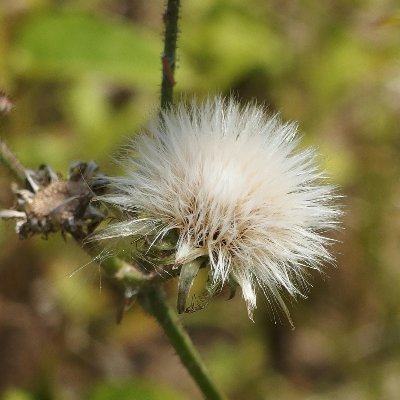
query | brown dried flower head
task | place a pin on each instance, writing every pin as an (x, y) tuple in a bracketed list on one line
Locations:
[(51, 204)]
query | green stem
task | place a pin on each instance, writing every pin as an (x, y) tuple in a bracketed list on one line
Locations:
[(153, 299), (155, 303), (168, 58), (129, 273)]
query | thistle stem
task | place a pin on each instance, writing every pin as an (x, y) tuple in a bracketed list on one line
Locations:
[(168, 58), (129, 274), (153, 299), (155, 303), (11, 162)]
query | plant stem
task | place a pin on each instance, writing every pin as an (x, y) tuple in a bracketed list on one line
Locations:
[(168, 59), (153, 299), (155, 303), (11, 162), (129, 274)]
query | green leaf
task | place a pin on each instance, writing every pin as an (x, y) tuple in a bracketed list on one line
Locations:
[(70, 44)]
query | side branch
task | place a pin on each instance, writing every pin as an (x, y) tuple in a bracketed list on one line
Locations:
[(11, 162)]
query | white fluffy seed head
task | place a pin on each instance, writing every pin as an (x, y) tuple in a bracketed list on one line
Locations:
[(236, 187)]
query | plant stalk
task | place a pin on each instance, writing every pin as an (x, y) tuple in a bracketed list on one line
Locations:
[(11, 162), (168, 58), (153, 299), (155, 303)]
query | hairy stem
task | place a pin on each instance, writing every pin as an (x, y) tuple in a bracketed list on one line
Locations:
[(154, 300), (11, 162), (155, 303), (129, 274), (168, 59)]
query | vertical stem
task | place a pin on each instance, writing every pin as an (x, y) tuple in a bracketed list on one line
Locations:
[(153, 300), (168, 58), (155, 303)]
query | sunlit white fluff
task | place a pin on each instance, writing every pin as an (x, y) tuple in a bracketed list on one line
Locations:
[(238, 189)]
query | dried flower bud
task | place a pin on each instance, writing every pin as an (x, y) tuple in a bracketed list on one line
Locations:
[(51, 204)]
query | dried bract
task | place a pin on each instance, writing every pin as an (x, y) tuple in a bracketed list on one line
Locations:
[(50, 204)]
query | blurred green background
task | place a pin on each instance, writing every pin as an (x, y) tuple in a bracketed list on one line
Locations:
[(84, 76)]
